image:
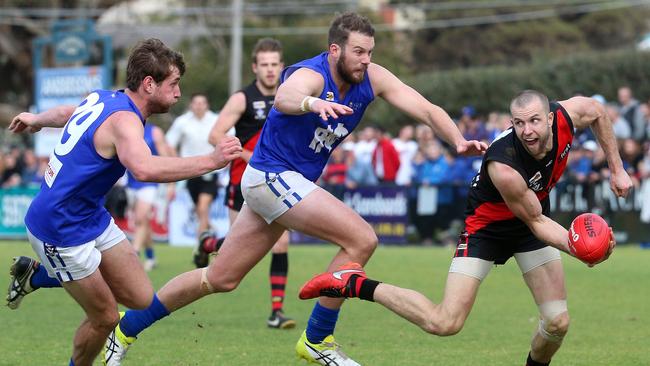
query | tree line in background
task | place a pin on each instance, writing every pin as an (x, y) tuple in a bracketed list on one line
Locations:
[(482, 64), (491, 88)]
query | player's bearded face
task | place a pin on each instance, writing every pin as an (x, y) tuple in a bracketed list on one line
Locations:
[(351, 70), (166, 93)]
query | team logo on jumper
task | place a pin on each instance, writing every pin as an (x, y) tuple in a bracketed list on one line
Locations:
[(260, 109), (329, 96), (534, 182), (326, 137)]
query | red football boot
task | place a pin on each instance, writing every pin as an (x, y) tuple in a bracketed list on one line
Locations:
[(344, 282)]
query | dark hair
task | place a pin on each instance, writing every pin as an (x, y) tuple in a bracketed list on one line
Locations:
[(266, 45), (346, 23), (152, 58), (527, 96)]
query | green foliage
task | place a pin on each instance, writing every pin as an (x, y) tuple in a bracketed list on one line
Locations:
[(206, 72), (506, 43), (491, 88), (613, 28), (608, 306)]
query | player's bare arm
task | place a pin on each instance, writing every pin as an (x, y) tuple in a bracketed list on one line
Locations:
[(54, 117), (386, 85), (298, 95), (524, 204), (228, 117), (587, 112), (122, 134)]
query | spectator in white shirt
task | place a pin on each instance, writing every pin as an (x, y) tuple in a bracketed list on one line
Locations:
[(406, 148), (189, 136)]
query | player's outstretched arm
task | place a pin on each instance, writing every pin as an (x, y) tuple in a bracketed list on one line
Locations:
[(54, 117), (587, 112), (524, 204), (124, 131), (297, 95), (409, 101)]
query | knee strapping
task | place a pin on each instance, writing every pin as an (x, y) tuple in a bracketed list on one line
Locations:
[(550, 311), (205, 284), (551, 337)]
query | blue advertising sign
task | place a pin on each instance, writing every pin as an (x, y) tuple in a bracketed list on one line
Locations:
[(67, 85), (67, 78), (14, 203), (384, 208)]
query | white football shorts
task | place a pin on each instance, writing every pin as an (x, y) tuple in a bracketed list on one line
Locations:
[(75, 263), (272, 194), (146, 194)]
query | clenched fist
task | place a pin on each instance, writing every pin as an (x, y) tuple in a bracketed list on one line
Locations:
[(227, 150)]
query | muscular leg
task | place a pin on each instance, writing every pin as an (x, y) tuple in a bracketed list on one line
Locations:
[(95, 297), (249, 239), (323, 216), (546, 283), (124, 274), (446, 318)]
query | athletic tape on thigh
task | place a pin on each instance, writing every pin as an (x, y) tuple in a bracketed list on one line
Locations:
[(473, 267), (528, 261), (205, 284)]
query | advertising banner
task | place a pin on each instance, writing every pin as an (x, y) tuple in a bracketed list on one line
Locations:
[(13, 207), (384, 207), (624, 215), (67, 85), (183, 223)]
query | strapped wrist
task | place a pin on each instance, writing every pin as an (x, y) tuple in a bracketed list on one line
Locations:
[(307, 103)]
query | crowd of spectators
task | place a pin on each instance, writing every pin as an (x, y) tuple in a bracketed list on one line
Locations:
[(366, 158), (415, 158)]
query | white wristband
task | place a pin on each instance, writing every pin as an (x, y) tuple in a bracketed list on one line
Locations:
[(307, 103)]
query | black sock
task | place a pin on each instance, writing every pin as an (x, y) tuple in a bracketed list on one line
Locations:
[(531, 362), (367, 290), (278, 279)]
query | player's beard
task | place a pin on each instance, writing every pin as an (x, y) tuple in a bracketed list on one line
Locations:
[(346, 74), (157, 106)]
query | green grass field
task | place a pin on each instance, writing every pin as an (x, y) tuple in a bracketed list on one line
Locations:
[(609, 305)]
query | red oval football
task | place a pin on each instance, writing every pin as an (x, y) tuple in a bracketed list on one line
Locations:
[(589, 237)]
